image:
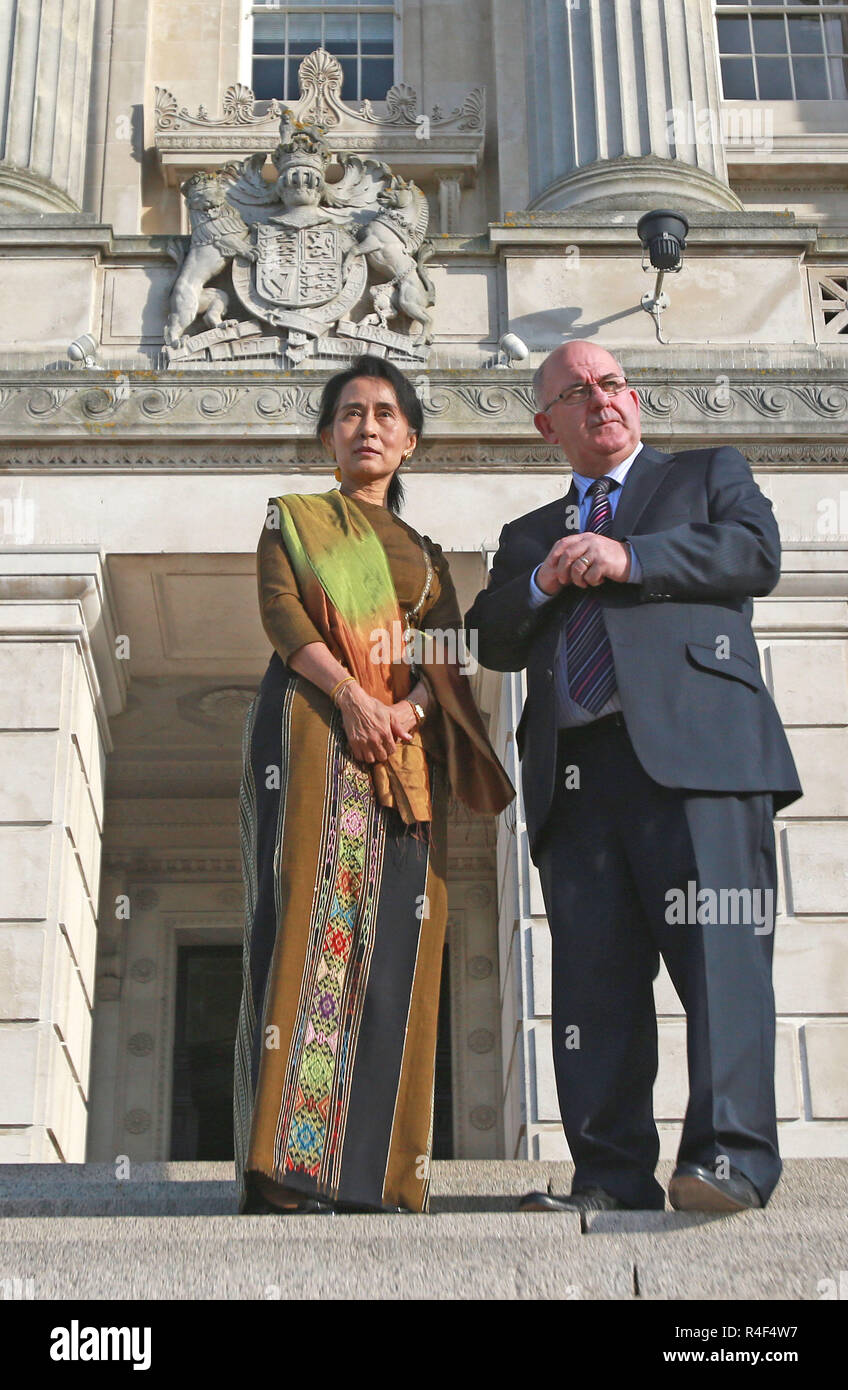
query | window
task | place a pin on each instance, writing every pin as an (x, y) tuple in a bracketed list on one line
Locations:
[(790, 51), (360, 33)]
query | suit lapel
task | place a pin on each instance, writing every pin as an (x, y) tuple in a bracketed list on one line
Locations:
[(556, 523), (643, 478)]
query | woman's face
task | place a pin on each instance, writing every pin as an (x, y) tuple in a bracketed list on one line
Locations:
[(369, 434)]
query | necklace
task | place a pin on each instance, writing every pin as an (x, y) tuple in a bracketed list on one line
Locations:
[(412, 613)]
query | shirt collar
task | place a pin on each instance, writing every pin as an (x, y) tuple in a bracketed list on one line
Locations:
[(619, 473)]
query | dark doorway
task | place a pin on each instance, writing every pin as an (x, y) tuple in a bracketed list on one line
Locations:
[(208, 997)]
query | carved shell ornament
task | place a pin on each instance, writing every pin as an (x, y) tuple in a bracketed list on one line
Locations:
[(402, 103), (320, 77)]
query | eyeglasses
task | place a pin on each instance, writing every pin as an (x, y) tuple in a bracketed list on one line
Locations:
[(610, 385)]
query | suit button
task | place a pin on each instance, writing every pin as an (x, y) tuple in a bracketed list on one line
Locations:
[(549, 675)]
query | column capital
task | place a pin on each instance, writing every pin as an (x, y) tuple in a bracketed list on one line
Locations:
[(62, 593)]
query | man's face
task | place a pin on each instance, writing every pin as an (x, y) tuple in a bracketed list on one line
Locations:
[(595, 434)]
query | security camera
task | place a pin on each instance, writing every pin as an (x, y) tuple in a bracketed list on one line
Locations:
[(663, 236), (82, 350)]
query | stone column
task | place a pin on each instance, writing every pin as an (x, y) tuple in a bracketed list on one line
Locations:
[(106, 1060), (623, 109), (59, 683), (449, 184), (511, 102), (45, 71), (124, 47), (532, 1125)]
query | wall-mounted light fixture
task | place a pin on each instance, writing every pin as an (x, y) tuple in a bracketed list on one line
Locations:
[(82, 351), (513, 349), (663, 238)]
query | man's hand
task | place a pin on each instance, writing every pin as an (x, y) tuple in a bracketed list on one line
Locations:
[(584, 560)]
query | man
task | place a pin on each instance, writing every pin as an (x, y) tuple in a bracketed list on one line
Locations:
[(653, 760)]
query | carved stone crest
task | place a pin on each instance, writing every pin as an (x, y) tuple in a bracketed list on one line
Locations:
[(298, 280), (332, 252)]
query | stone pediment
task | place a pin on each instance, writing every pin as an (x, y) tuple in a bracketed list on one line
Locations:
[(418, 144)]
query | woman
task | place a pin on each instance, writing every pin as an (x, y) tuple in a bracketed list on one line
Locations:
[(348, 762)]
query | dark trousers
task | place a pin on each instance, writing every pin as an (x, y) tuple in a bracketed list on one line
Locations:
[(621, 858)]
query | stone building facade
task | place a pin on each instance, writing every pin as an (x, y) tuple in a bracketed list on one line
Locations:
[(134, 480)]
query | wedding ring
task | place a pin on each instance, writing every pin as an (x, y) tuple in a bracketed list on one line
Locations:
[(584, 561)]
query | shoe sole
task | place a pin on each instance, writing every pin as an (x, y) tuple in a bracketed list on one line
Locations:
[(693, 1194)]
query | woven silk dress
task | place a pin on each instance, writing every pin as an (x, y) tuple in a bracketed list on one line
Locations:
[(345, 914)]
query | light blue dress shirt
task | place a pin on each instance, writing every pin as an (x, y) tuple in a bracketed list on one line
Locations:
[(569, 713)]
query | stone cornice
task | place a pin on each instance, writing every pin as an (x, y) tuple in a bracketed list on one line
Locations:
[(97, 416), (742, 233)]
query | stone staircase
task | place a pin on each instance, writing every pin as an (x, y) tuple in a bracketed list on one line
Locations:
[(171, 1231)]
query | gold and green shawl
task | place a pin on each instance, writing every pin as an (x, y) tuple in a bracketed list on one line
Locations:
[(347, 589)]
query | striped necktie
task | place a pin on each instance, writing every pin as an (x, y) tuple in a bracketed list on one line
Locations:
[(591, 673)]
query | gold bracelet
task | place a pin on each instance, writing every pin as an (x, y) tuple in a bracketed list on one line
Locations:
[(338, 687)]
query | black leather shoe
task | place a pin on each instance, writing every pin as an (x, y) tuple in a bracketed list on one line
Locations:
[(579, 1199), (694, 1187), (310, 1206), (360, 1209), (259, 1205)]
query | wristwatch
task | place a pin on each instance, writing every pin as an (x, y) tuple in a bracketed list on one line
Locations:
[(418, 711)]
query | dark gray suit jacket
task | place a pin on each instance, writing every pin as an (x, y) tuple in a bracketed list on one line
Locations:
[(687, 666)]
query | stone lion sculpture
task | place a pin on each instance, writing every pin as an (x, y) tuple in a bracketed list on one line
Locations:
[(218, 232), (394, 245)]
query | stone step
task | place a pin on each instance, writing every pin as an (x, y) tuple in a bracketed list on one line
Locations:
[(209, 1189), (171, 1231), (455, 1255)]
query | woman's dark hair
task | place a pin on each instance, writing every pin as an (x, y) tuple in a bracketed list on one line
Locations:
[(407, 399)]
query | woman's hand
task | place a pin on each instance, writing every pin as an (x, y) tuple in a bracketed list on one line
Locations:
[(404, 720), (369, 724)]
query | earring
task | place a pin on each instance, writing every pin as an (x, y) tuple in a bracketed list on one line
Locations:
[(337, 474)]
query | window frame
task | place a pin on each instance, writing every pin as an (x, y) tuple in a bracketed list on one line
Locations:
[(782, 9), (256, 8)]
